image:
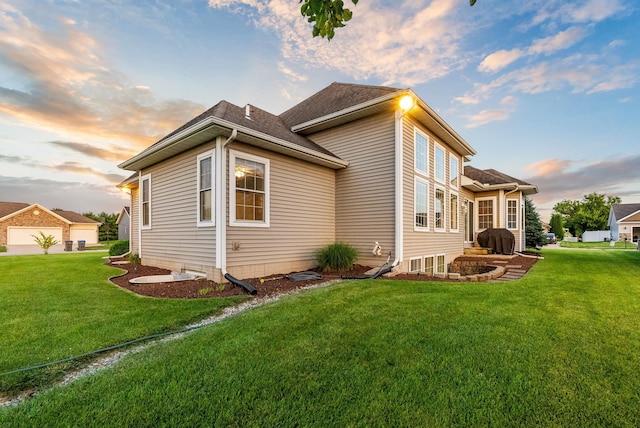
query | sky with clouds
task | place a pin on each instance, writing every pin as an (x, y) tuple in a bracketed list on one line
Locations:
[(547, 91)]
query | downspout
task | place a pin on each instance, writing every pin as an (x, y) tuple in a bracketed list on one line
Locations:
[(139, 217), (399, 211), (221, 221)]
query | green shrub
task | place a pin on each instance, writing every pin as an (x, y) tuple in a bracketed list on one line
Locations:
[(135, 259), (336, 256), (3, 249), (119, 248)]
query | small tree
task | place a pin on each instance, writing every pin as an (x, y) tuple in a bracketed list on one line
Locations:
[(534, 235), (45, 241)]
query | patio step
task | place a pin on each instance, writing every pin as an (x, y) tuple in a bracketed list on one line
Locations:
[(477, 251)]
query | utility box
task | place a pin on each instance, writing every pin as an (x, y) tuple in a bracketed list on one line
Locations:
[(81, 245), (68, 245)]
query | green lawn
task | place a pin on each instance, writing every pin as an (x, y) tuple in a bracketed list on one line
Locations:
[(560, 347), (57, 306)]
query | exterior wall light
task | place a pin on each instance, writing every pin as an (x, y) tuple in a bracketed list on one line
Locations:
[(406, 103)]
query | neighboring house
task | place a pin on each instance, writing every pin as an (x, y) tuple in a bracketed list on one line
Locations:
[(124, 223), (243, 190), (19, 221), (624, 222)]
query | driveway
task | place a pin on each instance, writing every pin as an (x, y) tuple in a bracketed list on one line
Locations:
[(23, 250)]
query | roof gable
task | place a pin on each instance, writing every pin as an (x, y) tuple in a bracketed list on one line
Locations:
[(10, 209), (251, 124)]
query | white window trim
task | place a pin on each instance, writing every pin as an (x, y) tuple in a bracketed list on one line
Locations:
[(452, 156), (457, 229), (442, 180), (507, 213), (416, 131), (444, 209), (424, 263), (141, 201), (212, 222), (477, 212), (233, 154), (435, 266), (415, 200), (412, 259)]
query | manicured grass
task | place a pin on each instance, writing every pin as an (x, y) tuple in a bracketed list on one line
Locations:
[(560, 347), (57, 306), (599, 245)]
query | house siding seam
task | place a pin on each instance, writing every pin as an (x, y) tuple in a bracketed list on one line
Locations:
[(425, 243), (29, 219), (365, 190), (174, 240), (302, 218)]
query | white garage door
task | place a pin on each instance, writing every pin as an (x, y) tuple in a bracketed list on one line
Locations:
[(22, 235), (88, 235)]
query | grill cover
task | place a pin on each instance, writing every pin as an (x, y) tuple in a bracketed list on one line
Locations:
[(501, 241)]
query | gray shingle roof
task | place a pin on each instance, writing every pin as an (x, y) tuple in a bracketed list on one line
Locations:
[(74, 217), (333, 98), (7, 208), (624, 210), (491, 176), (260, 120)]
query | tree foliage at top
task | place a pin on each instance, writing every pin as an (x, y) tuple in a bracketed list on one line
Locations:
[(534, 235), (591, 213), (327, 15)]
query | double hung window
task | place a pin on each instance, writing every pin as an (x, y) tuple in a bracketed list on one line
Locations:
[(485, 213), (439, 209), (205, 189), (249, 190), (512, 213), (421, 204), (145, 201)]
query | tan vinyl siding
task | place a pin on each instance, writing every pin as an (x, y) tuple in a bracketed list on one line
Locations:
[(431, 242), (365, 190), (302, 220), (135, 221), (174, 240)]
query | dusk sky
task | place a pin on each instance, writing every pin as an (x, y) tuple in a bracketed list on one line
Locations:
[(545, 90)]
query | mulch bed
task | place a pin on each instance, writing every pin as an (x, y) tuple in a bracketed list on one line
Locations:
[(204, 288), (272, 285)]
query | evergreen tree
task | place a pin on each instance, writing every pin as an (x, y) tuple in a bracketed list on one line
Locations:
[(534, 235), (108, 230), (557, 226)]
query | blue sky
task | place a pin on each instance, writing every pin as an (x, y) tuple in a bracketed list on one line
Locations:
[(545, 91)]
